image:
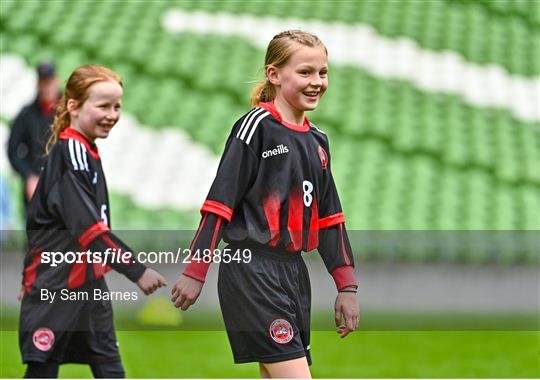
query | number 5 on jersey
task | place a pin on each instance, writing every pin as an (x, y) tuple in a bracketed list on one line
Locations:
[(104, 214)]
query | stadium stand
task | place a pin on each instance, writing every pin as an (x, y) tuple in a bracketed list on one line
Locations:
[(404, 158)]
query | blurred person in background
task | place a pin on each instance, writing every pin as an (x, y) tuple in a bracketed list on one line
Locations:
[(274, 195), (30, 130)]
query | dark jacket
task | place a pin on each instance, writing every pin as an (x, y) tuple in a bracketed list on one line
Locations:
[(29, 134)]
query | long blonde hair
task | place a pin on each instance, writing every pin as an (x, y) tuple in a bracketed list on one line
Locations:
[(278, 53), (77, 89)]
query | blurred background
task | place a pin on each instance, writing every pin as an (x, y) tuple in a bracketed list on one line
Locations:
[(433, 116)]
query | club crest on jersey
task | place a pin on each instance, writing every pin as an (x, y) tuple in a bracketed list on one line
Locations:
[(324, 157), (281, 331), (43, 339), (280, 149)]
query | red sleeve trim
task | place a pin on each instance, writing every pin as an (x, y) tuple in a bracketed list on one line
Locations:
[(344, 277), (92, 233), (331, 220), (218, 208), (197, 270)]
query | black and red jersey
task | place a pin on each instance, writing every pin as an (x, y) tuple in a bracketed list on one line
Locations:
[(274, 186), (69, 212)]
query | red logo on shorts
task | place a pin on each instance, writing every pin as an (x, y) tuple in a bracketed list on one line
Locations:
[(324, 157), (43, 339), (281, 331)]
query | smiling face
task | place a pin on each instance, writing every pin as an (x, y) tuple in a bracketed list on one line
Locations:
[(301, 82), (99, 113)]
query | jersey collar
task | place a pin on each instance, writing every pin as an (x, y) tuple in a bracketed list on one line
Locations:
[(270, 107), (70, 133)]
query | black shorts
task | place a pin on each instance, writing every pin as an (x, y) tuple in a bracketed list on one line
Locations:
[(68, 331), (266, 306)]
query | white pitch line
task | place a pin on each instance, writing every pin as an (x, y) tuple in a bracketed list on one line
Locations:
[(400, 58), (155, 168)]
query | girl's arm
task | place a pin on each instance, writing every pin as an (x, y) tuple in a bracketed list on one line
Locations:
[(189, 286), (147, 279), (236, 172), (336, 253), (73, 200), (207, 237)]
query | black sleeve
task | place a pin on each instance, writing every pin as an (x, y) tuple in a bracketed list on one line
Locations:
[(334, 246), (335, 250), (330, 212), (236, 172), (208, 236), (128, 267), (19, 147)]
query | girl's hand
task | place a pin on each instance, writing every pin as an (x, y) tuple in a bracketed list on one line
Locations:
[(347, 312), (150, 281), (186, 291)]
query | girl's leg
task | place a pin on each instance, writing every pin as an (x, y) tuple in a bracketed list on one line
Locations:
[(47, 370), (112, 370), (295, 368), (264, 373)]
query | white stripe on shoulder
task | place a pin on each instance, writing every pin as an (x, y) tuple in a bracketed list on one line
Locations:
[(72, 154), (266, 113), (315, 127), (249, 119), (248, 115), (78, 151), (85, 157)]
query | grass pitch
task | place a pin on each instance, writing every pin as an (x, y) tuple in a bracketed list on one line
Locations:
[(375, 354)]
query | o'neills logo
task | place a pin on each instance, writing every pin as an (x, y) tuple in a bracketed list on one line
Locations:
[(280, 149)]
